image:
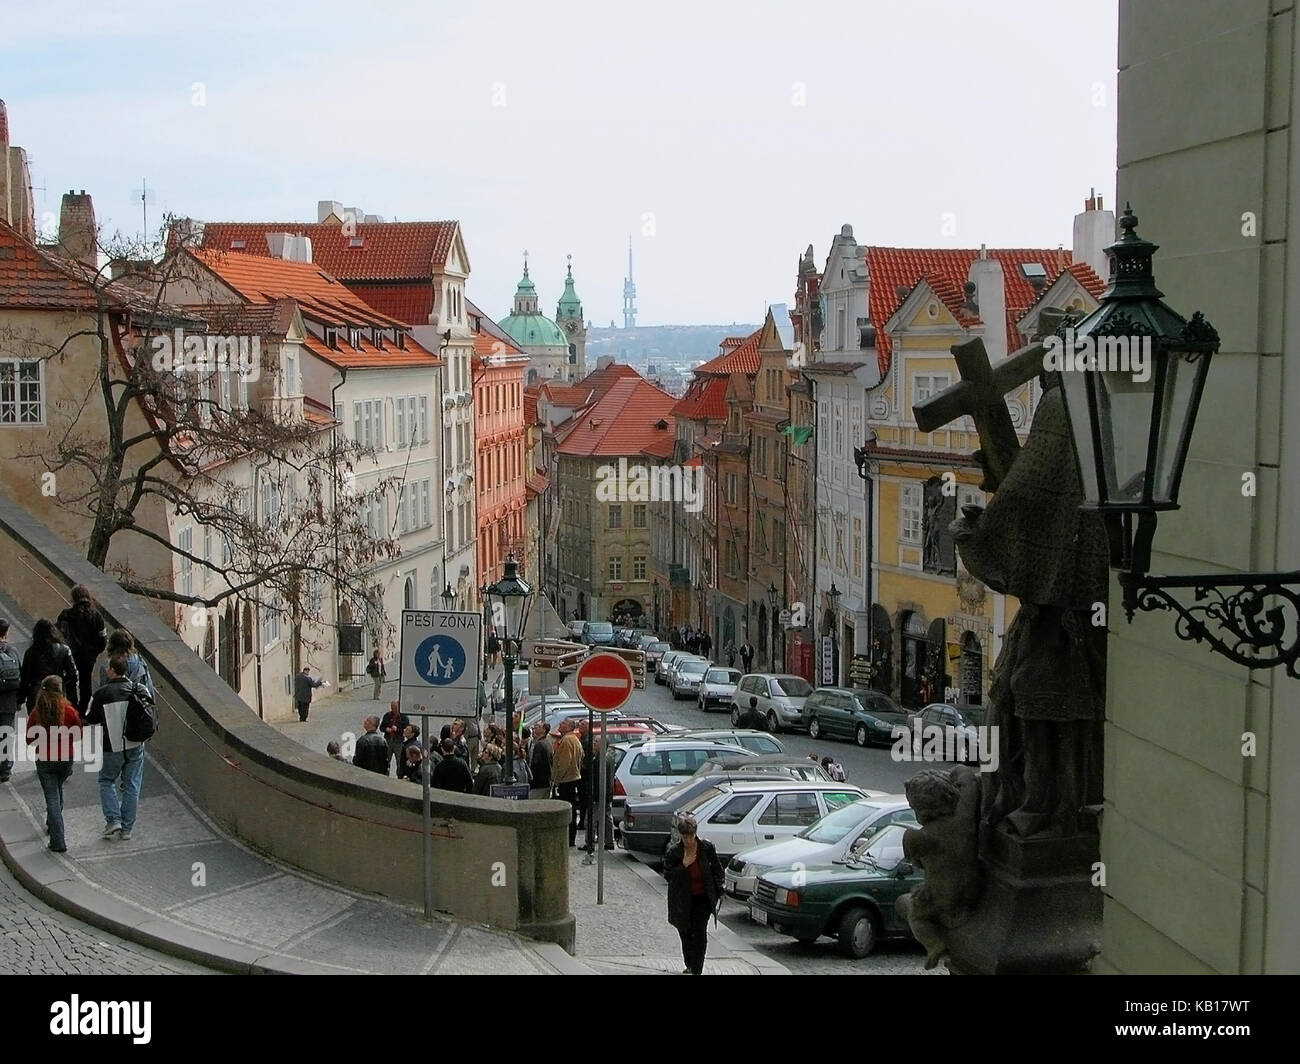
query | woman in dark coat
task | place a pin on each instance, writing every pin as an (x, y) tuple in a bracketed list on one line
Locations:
[(695, 879), (47, 656), (82, 626)]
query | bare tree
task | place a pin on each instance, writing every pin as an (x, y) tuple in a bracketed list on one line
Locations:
[(148, 432)]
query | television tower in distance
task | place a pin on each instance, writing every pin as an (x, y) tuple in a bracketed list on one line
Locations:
[(629, 292)]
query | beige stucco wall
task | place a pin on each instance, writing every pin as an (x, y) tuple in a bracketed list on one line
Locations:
[(1202, 861)]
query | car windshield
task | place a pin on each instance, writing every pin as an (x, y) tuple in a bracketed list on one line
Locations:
[(792, 686), (876, 703), (729, 676), (882, 848), (693, 667), (834, 826), (706, 795), (659, 648), (600, 628)]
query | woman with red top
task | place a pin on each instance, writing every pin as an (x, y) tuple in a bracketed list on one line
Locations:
[(695, 879), (51, 727)]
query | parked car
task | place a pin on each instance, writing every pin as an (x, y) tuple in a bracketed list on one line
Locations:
[(861, 715), (575, 630), (944, 716), (649, 823), (688, 676), (598, 634), (529, 703), (777, 697), (653, 652), (659, 762), (665, 661), (678, 662), (853, 900), (645, 640), (830, 839), (717, 687), (739, 816), (757, 742)]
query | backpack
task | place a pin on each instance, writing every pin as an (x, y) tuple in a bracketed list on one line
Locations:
[(373, 668), (836, 772), (11, 669), (141, 723)]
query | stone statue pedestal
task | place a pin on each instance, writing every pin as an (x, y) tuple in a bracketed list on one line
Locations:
[(1039, 913)]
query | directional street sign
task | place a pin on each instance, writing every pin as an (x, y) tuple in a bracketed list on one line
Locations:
[(440, 657), (603, 682)]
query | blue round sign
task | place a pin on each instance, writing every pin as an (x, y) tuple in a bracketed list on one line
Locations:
[(440, 660)]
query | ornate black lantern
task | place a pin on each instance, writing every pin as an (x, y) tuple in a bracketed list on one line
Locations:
[(1132, 374)]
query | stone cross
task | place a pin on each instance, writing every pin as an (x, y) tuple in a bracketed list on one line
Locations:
[(980, 393)]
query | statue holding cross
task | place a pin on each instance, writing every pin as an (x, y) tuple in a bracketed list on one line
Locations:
[(1033, 541)]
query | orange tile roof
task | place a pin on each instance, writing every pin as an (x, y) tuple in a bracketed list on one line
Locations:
[(623, 423), (530, 408), (30, 278), (1087, 276), (389, 251), (740, 358), (893, 268), (410, 303), (319, 296), (705, 400), (601, 380), (572, 396), (537, 484), (486, 327)]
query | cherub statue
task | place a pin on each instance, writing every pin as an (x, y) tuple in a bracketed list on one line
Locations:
[(946, 803)]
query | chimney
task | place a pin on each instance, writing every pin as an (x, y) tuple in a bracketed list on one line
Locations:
[(77, 235), (16, 204), (289, 246), (604, 362), (325, 207), (991, 298), (1094, 230)]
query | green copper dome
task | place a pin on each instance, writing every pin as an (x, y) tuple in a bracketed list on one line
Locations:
[(533, 330)]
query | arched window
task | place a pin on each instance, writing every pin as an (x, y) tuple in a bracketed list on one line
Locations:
[(408, 594)]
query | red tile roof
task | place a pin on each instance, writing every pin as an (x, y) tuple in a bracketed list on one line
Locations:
[(624, 422), (893, 268), (572, 396), (30, 278), (388, 251), (530, 407), (738, 358), (485, 326), (537, 484), (705, 400), (409, 303), (321, 297), (1087, 276)]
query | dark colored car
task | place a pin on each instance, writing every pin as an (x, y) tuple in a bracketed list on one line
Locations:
[(861, 715), (854, 900)]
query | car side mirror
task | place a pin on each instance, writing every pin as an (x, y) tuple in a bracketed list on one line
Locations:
[(905, 869)]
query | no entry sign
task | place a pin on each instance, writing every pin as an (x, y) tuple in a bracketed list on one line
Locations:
[(603, 682)]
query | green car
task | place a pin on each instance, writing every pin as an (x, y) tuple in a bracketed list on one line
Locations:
[(852, 900)]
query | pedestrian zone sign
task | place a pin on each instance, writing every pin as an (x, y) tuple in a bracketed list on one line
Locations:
[(441, 658)]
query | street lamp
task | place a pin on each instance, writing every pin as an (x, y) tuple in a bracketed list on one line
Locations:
[(1131, 439), (658, 629), (509, 600), (448, 597), (861, 457), (772, 623), (833, 598)]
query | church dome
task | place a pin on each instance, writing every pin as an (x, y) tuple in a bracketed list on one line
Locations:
[(526, 325), (569, 306)]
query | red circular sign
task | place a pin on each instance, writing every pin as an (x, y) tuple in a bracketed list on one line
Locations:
[(604, 682)]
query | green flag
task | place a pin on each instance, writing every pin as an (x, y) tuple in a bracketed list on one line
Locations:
[(799, 434)]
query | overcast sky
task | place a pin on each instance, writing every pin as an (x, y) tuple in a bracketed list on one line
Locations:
[(722, 137)]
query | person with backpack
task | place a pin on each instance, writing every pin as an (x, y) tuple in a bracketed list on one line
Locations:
[(376, 671), (120, 641), (51, 725), (11, 677), (82, 626), (747, 655), (117, 707), (47, 656)]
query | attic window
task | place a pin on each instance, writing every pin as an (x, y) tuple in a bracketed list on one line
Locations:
[(401, 340), (332, 339), (236, 245), (356, 242), (354, 337), (1033, 271), (661, 424)]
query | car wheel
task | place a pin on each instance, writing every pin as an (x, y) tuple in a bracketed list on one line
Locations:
[(735, 716), (857, 933), (861, 735), (814, 729), (773, 725)]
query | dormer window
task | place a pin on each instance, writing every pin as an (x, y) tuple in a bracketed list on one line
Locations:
[(331, 338), (236, 245), (401, 340), (356, 242), (354, 337)]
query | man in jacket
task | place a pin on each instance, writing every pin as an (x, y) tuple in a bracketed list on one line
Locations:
[(303, 686), (393, 727), (541, 761), (8, 699), (82, 625), (123, 759), (566, 773), (377, 673), (451, 773), (695, 879), (371, 750)]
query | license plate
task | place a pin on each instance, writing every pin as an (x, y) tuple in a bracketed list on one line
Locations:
[(758, 916)]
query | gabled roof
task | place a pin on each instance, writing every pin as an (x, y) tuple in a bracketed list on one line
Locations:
[(411, 303), (705, 400), (624, 422), (948, 268), (370, 251), (739, 357), (1087, 276), (32, 279), (572, 396)]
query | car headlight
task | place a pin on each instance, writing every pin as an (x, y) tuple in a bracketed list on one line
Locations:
[(789, 898)]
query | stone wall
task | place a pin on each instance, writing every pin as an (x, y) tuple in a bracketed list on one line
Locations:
[(496, 862)]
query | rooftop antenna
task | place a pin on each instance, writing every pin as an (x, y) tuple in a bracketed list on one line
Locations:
[(146, 196)]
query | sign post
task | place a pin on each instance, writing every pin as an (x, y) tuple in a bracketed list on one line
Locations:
[(604, 682)]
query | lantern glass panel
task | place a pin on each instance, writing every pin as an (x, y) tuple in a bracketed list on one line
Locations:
[(1074, 391), (1178, 413), (1124, 409)]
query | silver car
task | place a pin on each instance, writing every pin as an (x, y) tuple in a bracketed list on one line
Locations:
[(775, 698), (717, 687), (827, 841), (665, 661), (659, 762), (688, 674)]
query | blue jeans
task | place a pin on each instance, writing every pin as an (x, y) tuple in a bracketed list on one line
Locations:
[(52, 776), (129, 765)]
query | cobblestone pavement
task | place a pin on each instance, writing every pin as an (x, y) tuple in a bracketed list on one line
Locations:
[(37, 940)]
